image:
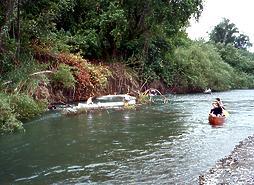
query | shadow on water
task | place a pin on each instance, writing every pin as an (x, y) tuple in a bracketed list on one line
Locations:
[(155, 144)]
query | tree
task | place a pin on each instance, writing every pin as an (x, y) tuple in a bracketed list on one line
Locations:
[(242, 42), (195, 68), (125, 28), (227, 33), (138, 31)]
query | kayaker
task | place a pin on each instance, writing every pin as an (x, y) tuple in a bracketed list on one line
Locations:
[(217, 109), (220, 102)]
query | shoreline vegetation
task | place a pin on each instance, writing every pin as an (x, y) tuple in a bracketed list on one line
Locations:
[(67, 51)]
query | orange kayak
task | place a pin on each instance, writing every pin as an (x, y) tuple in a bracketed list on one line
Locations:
[(214, 120)]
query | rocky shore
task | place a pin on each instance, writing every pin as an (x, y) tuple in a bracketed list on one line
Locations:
[(237, 168)]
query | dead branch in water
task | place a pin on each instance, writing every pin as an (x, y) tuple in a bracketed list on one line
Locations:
[(148, 91)]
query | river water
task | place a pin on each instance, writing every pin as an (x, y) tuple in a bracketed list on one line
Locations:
[(155, 144)]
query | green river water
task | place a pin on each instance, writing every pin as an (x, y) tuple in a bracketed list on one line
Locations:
[(154, 144)]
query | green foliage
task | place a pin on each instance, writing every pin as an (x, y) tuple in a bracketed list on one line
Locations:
[(122, 27), (86, 43), (64, 76), (108, 29), (8, 121), (7, 55), (39, 16), (241, 60), (17, 77), (16, 107), (21, 78), (199, 66), (242, 42), (98, 30), (25, 106), (243, 80), (57, 41), (227, 33), (112, 24)]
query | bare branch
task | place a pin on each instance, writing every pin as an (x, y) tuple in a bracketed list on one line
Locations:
[(41, 72)]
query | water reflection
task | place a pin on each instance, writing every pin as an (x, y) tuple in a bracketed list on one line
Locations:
[(126, 116)]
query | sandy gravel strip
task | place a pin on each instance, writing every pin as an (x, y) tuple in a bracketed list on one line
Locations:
[(237, 168)]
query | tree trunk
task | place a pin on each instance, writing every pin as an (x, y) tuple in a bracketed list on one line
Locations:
[(18, 31), (8, 10)]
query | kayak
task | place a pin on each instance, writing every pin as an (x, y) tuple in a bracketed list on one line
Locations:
[(215, 120)]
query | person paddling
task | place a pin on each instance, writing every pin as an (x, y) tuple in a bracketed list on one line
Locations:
[(220, 102), (224, 111), (216, 110)]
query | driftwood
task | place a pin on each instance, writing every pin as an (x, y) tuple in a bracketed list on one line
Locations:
[(151, 90), (36, 73), (148, 91), (5, 83), (41, 72)]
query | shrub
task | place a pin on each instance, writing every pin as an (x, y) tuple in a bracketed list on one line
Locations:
[(200, 66), (143, 98), (8, 121), (99, 74), (26, 107), (64, 76), (21, 79)]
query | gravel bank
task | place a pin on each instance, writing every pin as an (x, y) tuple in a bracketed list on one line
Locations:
[(237, 168)]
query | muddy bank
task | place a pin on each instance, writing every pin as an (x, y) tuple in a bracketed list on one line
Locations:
[(237, 168)]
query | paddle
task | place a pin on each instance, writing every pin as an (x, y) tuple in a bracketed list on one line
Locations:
[(225, 113)]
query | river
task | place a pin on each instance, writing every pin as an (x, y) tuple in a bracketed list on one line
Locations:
[(156, 144)]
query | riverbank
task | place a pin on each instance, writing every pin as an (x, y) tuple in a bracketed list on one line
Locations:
[(237, 168)]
